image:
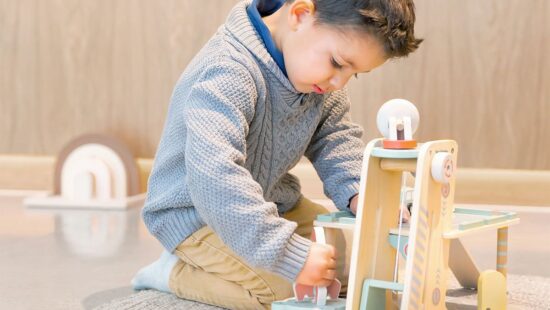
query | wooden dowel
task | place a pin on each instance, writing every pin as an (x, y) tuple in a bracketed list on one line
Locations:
[(394, 164), (502, 251)]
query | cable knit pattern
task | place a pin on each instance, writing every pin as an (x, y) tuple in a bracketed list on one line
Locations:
[(235, 127)]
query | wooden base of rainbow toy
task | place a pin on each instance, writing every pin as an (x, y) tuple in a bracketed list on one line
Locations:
[(426, 242), (93, 171)]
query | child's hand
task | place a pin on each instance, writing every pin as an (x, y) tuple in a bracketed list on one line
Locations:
[(319, 269), (406, 214), (353, 204)]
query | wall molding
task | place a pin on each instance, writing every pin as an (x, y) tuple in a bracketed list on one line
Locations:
[(473, 186)]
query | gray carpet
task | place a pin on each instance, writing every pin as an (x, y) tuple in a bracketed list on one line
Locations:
[(149, 299), (525, 292)]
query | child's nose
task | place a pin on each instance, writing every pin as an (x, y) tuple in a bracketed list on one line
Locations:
[(338, 81), (335, 83)]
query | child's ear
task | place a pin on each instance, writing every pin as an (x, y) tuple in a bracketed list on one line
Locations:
[(299, 12)]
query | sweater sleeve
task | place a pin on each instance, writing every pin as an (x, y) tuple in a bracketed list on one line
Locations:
[(336, 150), (217, 113)]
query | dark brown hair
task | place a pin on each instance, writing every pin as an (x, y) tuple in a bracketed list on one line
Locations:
[(391, 22)]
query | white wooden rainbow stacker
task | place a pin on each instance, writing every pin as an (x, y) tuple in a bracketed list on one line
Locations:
[(432, 233), (93, 171)]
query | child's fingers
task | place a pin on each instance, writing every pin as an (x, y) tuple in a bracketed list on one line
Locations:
[(330, 274), (406, 215), (332, 250), (324, 282), (331, 264)]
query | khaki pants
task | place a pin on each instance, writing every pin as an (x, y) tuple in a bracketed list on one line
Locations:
[(210, 272)]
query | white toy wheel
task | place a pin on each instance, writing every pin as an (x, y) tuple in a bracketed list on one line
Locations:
[(442, 167)]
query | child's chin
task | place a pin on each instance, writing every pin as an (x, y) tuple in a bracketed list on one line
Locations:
[(302, 89), (307, 90)]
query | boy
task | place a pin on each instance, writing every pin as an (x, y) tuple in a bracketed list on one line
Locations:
[(267, 89)]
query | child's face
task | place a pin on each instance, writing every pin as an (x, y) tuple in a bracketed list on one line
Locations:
[(322, 58)]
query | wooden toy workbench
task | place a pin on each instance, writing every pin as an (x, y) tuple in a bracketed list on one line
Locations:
[(430, 236)]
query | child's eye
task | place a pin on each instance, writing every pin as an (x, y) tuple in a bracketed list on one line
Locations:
[(335, 64)]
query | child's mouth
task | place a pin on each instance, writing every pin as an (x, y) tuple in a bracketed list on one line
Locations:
[(318, 89)]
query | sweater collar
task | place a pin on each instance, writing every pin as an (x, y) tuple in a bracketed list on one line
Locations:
[(256, 10), (240, 26)]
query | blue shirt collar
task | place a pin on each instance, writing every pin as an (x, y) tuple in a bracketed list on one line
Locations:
[(256, 10)]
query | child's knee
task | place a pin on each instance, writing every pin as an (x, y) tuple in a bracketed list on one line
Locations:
[(273, 288)]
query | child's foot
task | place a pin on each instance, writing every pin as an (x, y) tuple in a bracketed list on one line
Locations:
[(156, 275)]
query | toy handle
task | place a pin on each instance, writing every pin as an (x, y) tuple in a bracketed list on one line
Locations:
[(321, 290), (318, 293)]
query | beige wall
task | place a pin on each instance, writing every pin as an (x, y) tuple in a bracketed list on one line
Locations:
[(68, 67)]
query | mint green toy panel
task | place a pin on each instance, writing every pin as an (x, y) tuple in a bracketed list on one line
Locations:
[(403, 243), (344, 217), (373, 295), (389, 153), (463, 219), (472, 218), (289, 304)]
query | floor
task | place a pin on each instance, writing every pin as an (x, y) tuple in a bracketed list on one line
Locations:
[(63, 259), (75, 259)]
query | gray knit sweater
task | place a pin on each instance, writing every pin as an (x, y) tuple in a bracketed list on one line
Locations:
[(235, 127)]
